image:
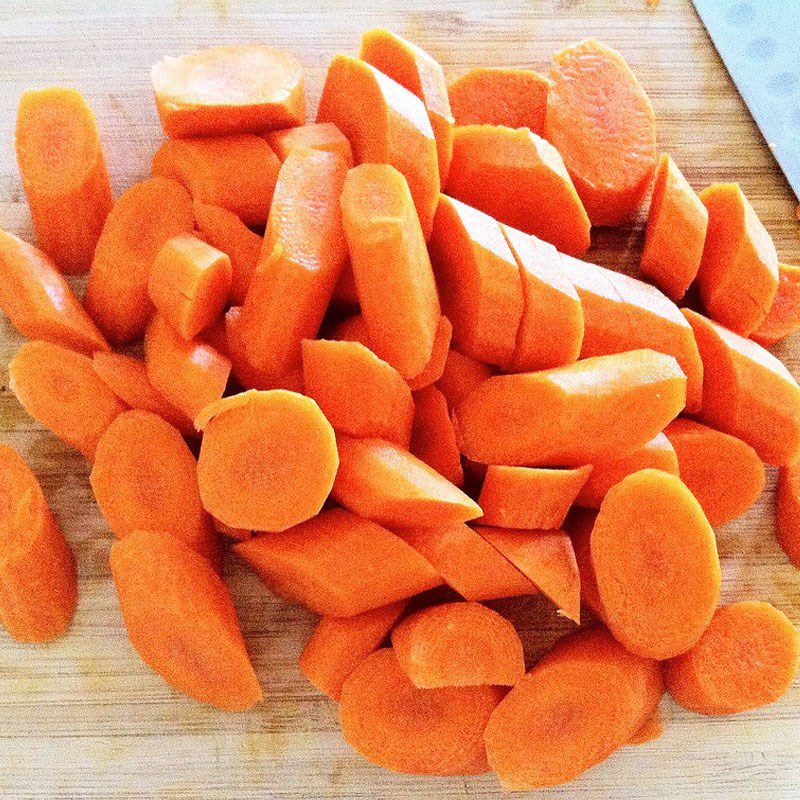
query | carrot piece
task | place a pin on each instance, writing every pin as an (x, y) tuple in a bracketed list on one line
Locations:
[(245, 88), (597, 408), (392, 269), (738, 276), (516, 98), (144, 477), (529, 499), (433, 439), (579, 525), (783, 317), (315, 135), (417, 731), (722, 472), (480, 282), (601, 121), (225, 231), (422, 75), (378, 480), (676, 232), (385, 124), (651, 730), (458, 644), (189, 284), (60, 390), (658, 453), (520, 179), (338, 564), (38, 588), (461, 375), (359, 394), (746, 659), (142, 219), (63, 173), (190, 374), (234, 172), (202, 653), (747, 392), (467, 562), (267, 461), (579, 704), (339, 644), (216, 335), (656, 564), (435, 367), (788, 512), (238, 534), (351, 329), (39, 302), (551, 329)]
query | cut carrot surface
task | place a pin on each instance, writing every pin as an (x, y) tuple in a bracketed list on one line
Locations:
[(788, 512), (433, 439), (434, 369), (316, 135), (460, 376), (783, 317)]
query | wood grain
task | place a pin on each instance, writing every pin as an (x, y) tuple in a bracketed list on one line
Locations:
[(82, 717)]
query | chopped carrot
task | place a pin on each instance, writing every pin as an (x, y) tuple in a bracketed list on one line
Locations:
[(316, 135), (461, 375), (433, 439), (579, 525), (788, 512), (435, 367), (651, 730), (783, 317)]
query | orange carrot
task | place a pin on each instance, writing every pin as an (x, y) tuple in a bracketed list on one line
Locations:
[(746, 659), (142, 219), (435, 367), (60, 390), (38, 589), (245, 88), (783, 317), (461, 375), (39, 302), (63, 173), (656, 564), (788, 512), (433, 439), (579, 525), (344, 293), (601, 121), (351, 329), (416, 731), (651, 730), (338, 564), (216, 335), (316, 135), (520, 179), (201, 653)]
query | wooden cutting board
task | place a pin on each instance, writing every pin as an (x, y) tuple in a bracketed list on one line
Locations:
[(82, 718)]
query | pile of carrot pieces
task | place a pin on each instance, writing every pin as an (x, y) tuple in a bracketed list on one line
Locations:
[(379, 333)]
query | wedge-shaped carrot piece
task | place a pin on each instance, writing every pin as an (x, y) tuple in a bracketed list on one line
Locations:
[(202, 654), (747, 392), (580, 703), (245, 88), (529, 499), (656, 564), (63, 173), (461, 375), (339, 644), (386, 124), (676, 232), (467, 562), (738, 277), (233, 172), (417, 731), (788, 512), (435, 367), (597, 408), (516, 98), (190, 374), (746, 659), (783, 318), (378, 480), (520, 179), (479, 280), (422, 75), (433, 439), (316, 136), (142, 219), (579, 525), (601, 121), (39, 302), (338, 564), (652, 729), (267, 461), (60, 390), (38, 588), (359, 394), (722, 472)]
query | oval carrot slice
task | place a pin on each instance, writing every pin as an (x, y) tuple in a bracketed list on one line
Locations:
[(783, 317), (316, 135), (435, 367), (460, 376), (788, 512), (433, 439)]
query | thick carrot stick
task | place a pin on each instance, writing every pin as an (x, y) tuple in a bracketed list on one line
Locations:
[(746, 659), (63, 173), (656, 564), (787, 512), (315, 135), (60, 390), (461, 375), (202, 653), (433, 439), (416, 731), (652, 729), (142, 219), (520, 179), (38, 588), (245, 88), (39, 302), (435, 367), (601, 121), (579, 525), (338, 564), (783, 318)]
